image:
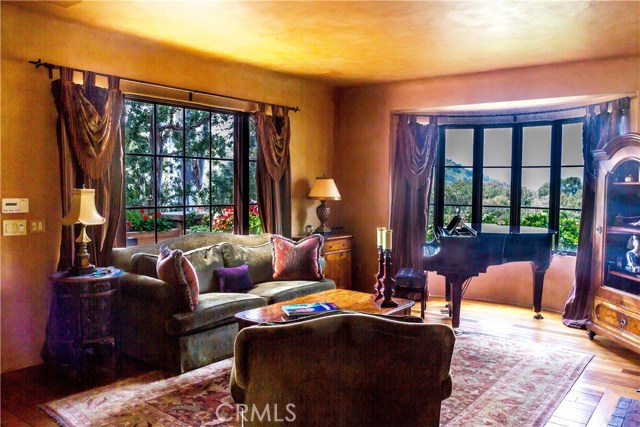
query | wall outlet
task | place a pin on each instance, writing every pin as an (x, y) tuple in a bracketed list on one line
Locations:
[(14, 227), (37, 226)]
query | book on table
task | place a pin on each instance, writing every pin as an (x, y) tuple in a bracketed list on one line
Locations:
[(297, 310)]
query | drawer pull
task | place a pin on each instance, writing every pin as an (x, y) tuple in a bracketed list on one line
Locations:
[(623, 322)]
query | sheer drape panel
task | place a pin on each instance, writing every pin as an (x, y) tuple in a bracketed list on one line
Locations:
[(90, 146), (273, 171), (599, 128), (415, 154)]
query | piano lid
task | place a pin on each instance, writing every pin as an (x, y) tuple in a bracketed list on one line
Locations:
[(508, 229)]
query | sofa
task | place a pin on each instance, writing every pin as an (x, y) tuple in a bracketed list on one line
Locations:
[(324, 380), (153, 328)]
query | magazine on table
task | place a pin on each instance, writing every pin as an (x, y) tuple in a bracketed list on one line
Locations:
[(297, 310)]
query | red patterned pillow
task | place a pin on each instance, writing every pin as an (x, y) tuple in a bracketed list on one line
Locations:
[(173, 268), (297, 260)]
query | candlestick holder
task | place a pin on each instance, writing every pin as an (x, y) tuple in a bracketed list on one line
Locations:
[(388, 282), (377, 287)]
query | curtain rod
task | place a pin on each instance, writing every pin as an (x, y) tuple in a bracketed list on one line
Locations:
[(522, 111), (191, 92)]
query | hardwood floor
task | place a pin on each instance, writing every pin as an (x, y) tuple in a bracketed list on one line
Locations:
[(614, 372)]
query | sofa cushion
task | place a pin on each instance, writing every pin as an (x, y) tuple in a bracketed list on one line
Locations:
[(204, 261), (297, 260), (278, 291), (258, 258), (234, 279), (175, 269), (213, 309)]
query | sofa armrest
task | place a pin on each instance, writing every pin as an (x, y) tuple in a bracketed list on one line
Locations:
[(147, 288)]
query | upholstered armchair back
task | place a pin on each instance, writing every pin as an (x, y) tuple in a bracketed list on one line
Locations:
[(344, 370)]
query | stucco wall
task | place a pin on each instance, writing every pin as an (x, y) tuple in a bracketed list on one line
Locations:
[(363, 117), (30, 154)]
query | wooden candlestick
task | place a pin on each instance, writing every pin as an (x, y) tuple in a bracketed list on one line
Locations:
[(377, 287), (388, 282)]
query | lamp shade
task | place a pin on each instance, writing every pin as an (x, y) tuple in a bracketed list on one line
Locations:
[(324, 189), (83, 208)]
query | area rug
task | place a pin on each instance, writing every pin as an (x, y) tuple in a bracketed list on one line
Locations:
[(496, 382)]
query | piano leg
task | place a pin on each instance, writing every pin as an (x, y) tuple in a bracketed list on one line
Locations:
[(456, 300), (538, 277)]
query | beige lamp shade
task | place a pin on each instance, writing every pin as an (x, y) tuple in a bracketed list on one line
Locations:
[(324, 189), (83, 208)]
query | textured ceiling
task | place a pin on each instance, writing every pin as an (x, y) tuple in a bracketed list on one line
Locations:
[(358, 42)]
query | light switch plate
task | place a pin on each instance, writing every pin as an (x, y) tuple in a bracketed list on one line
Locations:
[(14, 227)]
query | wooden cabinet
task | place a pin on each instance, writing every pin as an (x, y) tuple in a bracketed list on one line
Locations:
[(616, 310), (337, 253), (82, 321)]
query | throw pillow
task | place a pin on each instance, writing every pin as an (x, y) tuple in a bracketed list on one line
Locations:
[(258, 258), (234, 279), (175, 269), (297, 260)]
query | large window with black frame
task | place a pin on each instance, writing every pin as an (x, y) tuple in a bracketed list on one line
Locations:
[(184, 170), (526, 173)]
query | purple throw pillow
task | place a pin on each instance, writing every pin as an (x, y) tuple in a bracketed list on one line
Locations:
[(234, 279)]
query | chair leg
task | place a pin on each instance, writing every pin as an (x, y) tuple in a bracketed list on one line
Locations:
[(422, 302)]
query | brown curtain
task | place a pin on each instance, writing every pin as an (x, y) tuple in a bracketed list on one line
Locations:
[(91, 155), (415, 154), (600, 127), (273, 172)]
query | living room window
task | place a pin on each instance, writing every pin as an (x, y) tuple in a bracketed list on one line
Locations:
[(525, 173), (184, 170)]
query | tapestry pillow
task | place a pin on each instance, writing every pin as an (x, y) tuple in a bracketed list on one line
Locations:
[(258, 259), (234, 279), (175, 269), (297, 260)]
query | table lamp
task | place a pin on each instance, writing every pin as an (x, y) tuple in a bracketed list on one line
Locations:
[(324, 189), (83, 211)]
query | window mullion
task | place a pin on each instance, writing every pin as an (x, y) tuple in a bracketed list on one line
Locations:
[(478, 169), (555, 178), (516, 175), (184, 171), (210, 207)]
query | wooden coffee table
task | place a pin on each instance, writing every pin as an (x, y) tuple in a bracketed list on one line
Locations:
[(343, 298)]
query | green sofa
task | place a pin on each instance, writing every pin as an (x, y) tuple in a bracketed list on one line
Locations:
[(152, 329)]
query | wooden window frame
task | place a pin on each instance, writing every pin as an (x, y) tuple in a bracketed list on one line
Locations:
[(555, 166)]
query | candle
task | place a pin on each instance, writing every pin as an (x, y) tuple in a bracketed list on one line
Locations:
[(380, 236), (387, 240)]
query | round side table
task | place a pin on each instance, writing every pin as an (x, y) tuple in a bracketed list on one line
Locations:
[(82, 325)]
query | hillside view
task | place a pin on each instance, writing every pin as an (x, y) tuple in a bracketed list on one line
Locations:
[(496, 199)]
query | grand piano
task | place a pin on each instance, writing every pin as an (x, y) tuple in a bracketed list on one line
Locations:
[(460, 253)]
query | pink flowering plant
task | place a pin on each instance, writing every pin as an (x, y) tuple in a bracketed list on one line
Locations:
[(140, 220), (223, 221)]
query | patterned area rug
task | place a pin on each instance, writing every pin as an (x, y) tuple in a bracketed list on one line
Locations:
[(496, 382)]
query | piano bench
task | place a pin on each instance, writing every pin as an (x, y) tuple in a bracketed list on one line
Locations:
[(413, 280)]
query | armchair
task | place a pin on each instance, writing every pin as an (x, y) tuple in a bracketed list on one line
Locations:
[(347, 369)]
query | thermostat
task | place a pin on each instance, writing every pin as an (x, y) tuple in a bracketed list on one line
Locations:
[(15, 205)]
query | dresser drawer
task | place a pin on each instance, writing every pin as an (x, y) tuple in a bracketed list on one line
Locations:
[(612, 316), (337, 244)]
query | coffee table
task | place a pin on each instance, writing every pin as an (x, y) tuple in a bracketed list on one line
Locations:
[(345, 300)]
